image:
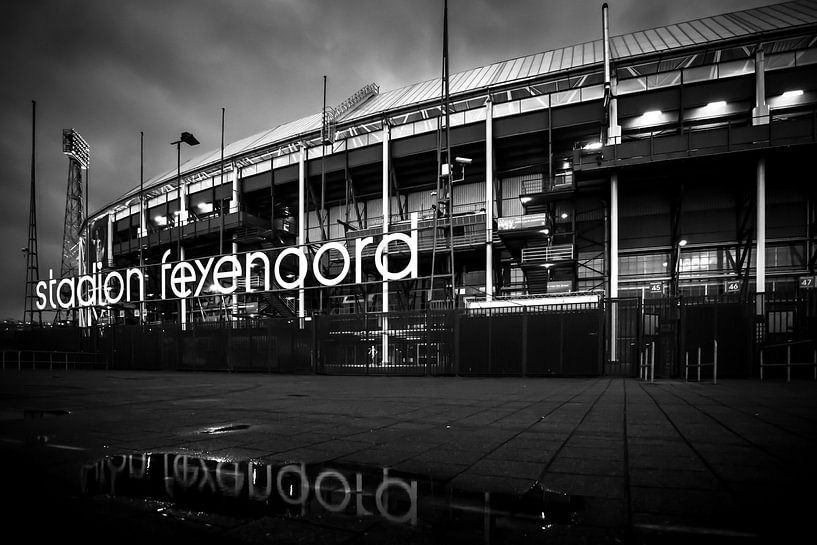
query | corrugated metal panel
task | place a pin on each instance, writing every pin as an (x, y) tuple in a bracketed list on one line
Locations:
[(469, 193)]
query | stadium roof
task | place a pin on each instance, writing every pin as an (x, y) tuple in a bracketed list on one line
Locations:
[(704, 31)]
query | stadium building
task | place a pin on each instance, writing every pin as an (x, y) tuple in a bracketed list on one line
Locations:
[(652, 189)]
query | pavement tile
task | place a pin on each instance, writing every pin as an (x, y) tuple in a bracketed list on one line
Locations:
[(585, 485), (587, 466)]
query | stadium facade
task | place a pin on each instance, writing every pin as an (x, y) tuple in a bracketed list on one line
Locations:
[(634, 174)]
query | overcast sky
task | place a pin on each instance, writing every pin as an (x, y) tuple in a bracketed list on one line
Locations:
[(110, 69)]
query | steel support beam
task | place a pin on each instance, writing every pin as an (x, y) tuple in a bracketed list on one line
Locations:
[(489, 199), (386, 198)]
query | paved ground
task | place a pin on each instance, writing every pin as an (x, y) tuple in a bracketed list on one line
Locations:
[(617, 460)]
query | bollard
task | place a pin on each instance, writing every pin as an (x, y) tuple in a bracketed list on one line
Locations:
[(715, 365), (788, 363), (699, 364)]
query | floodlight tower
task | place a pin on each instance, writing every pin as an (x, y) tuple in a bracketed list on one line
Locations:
[(79, 157)]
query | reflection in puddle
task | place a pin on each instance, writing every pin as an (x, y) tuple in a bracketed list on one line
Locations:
[(318, 491)]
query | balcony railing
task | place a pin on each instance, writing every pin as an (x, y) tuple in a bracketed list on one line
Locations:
[(560, 181), (547, 254), (725, 137)]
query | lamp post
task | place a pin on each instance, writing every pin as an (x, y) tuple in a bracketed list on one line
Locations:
[(676, 273), (190, 140)]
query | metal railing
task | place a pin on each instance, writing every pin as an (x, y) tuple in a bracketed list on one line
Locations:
[(560, 181), (51, 359), (561, 252), (723, 135), (646, 362), (700, 364), (788, 364)]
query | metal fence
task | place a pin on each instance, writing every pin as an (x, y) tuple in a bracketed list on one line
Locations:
[(581, 339)]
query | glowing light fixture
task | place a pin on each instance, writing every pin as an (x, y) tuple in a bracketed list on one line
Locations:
[(525, 199), (592, 146), (545, 231), (682, 242), (716, 105), (563, 215), (792, 94), (651, 116), (160, 220)]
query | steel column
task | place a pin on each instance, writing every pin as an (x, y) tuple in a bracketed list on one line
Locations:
[(386, 217), (489, 199)]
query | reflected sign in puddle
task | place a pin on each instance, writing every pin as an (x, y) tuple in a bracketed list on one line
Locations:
[(320, 491)]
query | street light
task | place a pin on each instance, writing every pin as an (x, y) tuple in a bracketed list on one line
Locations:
[(190, 140), (676, 274)]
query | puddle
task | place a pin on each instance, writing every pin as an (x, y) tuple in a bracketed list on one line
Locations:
[(43, 413), (225, 429), (347, 494)]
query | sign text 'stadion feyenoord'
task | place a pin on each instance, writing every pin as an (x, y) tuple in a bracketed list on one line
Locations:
[(220, 274)]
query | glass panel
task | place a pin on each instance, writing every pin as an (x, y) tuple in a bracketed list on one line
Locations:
[(533, 103), (700, 73), (736, 68), (781, 60), (506, 108), (808, 56), (565, 97), (475, 115), (666, 79), (425, 125), (457, 119), (632, 85), (592, 93), (402, 131)]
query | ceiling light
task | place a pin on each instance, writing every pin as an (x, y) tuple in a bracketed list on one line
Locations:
[(525, 199), (682, 242), (792, 94), (563, 215), (592, 145), (651, 115), (715, 105)]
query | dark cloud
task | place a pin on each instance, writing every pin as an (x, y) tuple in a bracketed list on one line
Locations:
[(112, 69)]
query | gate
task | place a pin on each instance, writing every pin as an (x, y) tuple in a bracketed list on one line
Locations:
[(731, 322)]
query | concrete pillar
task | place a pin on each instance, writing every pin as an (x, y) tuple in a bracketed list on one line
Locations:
[(386, 219), (760, 259), (614, 234), (760, 113), (489, 199), (613, 262), (302, 225), (109, 246), (235, 197)]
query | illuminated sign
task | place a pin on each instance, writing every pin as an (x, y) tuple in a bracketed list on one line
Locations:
[(656, 287), (223, 274), (808, 282), (733, 286)]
